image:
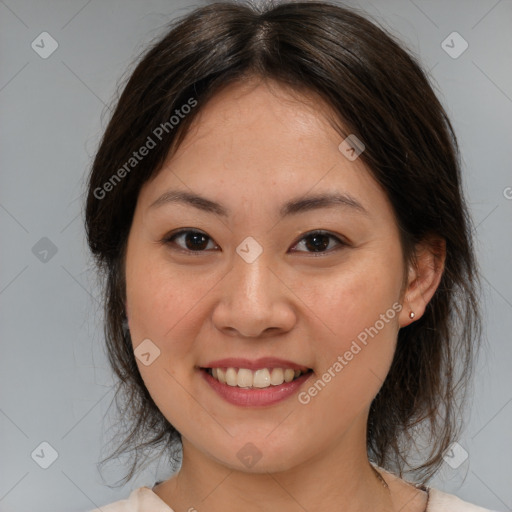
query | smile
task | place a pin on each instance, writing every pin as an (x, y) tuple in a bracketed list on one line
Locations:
[(254, 379), (254, 388)]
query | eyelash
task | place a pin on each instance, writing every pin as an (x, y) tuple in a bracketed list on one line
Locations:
[(170, 240)]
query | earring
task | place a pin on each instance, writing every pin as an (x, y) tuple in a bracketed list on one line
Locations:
[(411, 315)]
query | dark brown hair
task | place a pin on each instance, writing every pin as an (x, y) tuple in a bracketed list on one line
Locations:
[(377, 91)]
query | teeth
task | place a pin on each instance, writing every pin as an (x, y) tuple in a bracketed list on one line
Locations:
[(289, 375), (263, 378), (221, 375), (277, 376), (231, 378), (244, 378)]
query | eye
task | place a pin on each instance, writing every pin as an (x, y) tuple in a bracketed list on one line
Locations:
[(192, 240), (319, 241)]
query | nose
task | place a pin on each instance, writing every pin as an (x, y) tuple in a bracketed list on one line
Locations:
[(254, 301)]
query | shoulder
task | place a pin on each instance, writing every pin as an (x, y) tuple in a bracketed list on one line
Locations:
[(438, 501), (140, 500), (442, 502)]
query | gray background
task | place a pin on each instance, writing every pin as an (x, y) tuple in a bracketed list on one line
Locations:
[(55, 384)]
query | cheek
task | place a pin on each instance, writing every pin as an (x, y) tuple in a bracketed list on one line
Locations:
[(160, 303), (354, 296), (357, 309), (157, 298)]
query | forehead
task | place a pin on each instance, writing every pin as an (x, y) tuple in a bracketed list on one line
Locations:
[(261, 142), (266, 109)]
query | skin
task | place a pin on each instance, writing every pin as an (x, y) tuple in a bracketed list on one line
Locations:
[(253, 147)]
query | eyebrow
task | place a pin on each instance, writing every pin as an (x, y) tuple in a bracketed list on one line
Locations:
[(292, 207)]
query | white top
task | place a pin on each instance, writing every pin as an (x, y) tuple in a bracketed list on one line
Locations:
[(144, 499)]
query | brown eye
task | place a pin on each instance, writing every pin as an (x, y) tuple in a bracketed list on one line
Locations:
[(319, 241), (190, 240)]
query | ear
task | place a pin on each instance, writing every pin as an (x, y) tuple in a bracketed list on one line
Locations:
[(424, 275)]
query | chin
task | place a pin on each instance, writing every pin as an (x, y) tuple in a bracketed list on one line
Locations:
[(259, 456)]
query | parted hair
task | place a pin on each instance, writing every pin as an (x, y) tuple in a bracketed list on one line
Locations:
[(377, 90)]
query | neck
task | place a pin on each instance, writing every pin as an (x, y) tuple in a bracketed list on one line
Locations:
[(339, 478)]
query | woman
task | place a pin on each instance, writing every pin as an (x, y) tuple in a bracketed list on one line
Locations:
[(276, 206)]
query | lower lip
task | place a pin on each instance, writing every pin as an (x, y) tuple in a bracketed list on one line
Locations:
[(255, 397)]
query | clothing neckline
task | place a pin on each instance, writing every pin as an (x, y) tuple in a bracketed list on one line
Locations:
[(422, 487)]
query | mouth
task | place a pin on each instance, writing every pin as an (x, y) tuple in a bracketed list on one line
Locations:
[(260, 378)]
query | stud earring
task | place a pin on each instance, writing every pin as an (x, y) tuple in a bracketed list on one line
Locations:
[(411, 315)]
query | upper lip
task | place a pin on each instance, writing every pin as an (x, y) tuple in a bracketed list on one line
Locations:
[(254, 364)]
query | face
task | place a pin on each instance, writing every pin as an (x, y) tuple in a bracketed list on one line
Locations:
[(262, 273)]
